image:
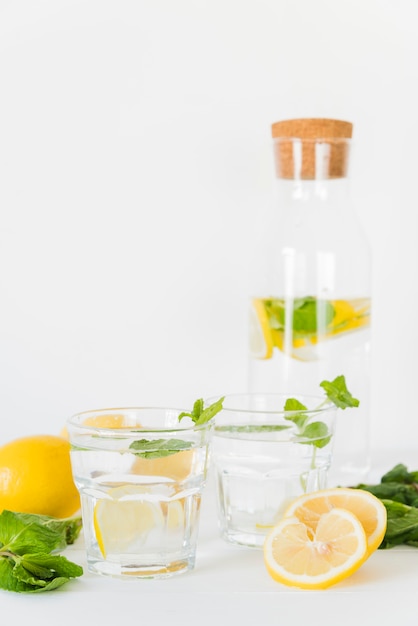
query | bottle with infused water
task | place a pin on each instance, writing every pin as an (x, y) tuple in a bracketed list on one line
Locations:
[(311, 297)]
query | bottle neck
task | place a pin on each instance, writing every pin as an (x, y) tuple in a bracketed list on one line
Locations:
[(334, 192)]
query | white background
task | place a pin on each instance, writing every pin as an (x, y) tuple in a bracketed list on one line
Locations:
[(135, 159)]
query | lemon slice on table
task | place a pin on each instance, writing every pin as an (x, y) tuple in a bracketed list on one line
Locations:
[(370, 511), (261, 342), (122, 522), (296, 556)]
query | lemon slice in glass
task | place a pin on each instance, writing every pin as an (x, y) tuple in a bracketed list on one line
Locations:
[(175, 515), (123, 523), (261, 342)]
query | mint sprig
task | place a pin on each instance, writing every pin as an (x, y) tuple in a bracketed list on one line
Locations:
[(200, 415), (317, 433), (155, 448), (338, 393), (27, 545)]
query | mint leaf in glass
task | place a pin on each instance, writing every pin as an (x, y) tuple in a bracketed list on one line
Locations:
[(338, 393), (200, 415), (317, 433), (155, 448)]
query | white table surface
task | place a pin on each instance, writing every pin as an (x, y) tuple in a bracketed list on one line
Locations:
[(230, 585)]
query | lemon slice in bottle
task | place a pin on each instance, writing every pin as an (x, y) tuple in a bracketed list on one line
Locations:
[(261, 342)]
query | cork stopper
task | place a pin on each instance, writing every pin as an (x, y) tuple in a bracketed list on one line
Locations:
[(311, 148)]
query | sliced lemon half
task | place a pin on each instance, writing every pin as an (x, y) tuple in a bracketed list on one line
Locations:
[(296, 556), (371, 511)]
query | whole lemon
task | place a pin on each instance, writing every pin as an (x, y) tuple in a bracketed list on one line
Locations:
[(36, 477)]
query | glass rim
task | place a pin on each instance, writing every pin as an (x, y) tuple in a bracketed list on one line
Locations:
[(268, 411), (126, 431)]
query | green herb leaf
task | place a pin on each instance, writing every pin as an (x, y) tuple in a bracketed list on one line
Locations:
[(26, 541), (338, 393), (21, 533), (69, 528), (402, 525), (398, 490), (296, 415), (155, 448), (36, 572), (201, 415), (252, 428), (400, 474), (304, 314), (316, 434)]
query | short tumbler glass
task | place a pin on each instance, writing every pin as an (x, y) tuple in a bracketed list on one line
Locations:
[(140, 474), (264, 457)]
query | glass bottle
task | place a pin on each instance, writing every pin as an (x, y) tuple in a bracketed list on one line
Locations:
[(311, 295)]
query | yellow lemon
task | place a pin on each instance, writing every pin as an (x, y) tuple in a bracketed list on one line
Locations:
[(371, 511), (124, 521), (296, 556), (36, 477)]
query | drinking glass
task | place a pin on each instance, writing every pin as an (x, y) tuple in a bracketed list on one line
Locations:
[(264, 457), (140, 473)]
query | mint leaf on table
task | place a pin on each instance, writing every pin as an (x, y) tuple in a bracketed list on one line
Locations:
[(398, 490), (69, 528), (26, 543), (402, 525), (155, 448), (398, 485), (23, 533), (400, 474)]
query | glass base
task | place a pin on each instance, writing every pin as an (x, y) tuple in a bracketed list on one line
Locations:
[(135, 570), (243, 538)]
